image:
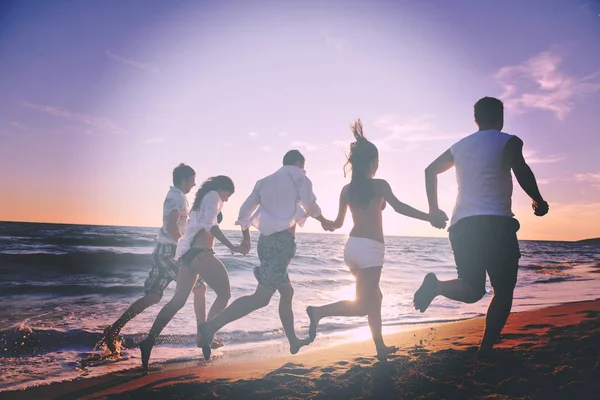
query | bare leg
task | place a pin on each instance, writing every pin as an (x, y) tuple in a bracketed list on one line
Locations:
[(286, 314), (112, 332), (495, 319), (213, 272), (374, 316), (455, 289), (236, 310), (186, 280), (367, 292)]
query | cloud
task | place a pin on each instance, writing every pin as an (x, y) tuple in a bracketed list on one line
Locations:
[(253, 134), (282, 134), (130, 62), (94, 124), (538, 83), (266, 149), (6, 133), (154, 140), (408, 132), (532, 158), (18, 126), (337, 42), (310, 147), (593, 178)]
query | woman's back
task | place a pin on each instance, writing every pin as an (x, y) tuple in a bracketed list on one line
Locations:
[(368, 218)]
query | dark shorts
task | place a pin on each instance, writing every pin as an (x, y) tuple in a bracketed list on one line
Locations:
[(164, 269), (275, 253), (486, 243)]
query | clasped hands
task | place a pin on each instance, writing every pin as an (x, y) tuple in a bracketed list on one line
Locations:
[(438, 218)]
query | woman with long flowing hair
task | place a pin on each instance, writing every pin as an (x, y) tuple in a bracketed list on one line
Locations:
[(196, 254), (365, 248)]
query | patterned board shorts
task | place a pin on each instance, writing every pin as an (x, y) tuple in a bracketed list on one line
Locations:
[(164, 269), (275, 253)]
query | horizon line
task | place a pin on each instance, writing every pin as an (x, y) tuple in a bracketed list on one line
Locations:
[(302, 233)]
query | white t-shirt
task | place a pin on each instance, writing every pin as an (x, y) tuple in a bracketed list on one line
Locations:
[(483, 176), (175, 201), (283, 199), (203, 219)]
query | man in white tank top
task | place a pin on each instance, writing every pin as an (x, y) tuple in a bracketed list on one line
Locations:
[(482, 229)]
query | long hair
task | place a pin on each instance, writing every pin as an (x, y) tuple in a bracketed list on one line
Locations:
[(362, 153), (220, 182)]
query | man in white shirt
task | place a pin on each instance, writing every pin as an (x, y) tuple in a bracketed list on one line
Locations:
[(277, 204), (483, 232), (165, 268)]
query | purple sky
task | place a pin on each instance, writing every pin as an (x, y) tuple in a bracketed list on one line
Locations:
[(99, 100)]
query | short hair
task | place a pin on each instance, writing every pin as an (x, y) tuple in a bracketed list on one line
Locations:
[(489, 110), (181, 172), (292, 157)]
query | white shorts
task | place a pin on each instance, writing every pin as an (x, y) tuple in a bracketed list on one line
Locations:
[(361, 253)]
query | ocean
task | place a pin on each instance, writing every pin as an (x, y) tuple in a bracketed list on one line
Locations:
[(62, 284)]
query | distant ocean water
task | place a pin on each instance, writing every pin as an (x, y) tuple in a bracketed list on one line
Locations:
[(62, 284)]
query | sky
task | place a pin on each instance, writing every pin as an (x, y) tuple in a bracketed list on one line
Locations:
[(100, 100)]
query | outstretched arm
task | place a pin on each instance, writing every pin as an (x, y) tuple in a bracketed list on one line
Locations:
[(442, 164), (399, 206), (339, 221), (513, 153)]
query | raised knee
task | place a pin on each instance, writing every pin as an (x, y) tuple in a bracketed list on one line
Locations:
[(224, 295), (362, 308), (474, 297), (153, 298)]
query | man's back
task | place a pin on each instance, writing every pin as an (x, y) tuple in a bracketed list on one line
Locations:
[(483, 175), (278, 198)]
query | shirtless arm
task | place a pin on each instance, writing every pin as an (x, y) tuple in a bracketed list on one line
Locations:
[(402, 208), (339, 221)]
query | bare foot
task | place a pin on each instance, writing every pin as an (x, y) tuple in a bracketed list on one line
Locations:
[(312, 329), (205, 340), (426, 293), (216, 343), (384, 351), (110, 339), (294, 348), (146, 349)]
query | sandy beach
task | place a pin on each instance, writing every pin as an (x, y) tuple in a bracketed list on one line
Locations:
[(544, 354)]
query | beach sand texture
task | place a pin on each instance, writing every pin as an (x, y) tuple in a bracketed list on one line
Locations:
[(550, 353)]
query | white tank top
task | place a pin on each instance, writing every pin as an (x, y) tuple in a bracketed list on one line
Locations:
[(483, 176)]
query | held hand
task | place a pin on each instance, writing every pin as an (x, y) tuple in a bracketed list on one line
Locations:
[(540, 208), (247, 245), (327, 225), (240, 249), (438, 219)]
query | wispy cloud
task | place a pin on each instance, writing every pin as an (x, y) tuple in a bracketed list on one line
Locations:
[(406, 133), (4, 132), (94, 124), (253, 134), (310, 147), (266, 149), (132, 63), (282, 134), (19, 126), (591, 177), (538, 83), (532, 157), (154, 140), (337, 42)]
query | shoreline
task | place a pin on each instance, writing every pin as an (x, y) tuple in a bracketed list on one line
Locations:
[(525, 334)]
